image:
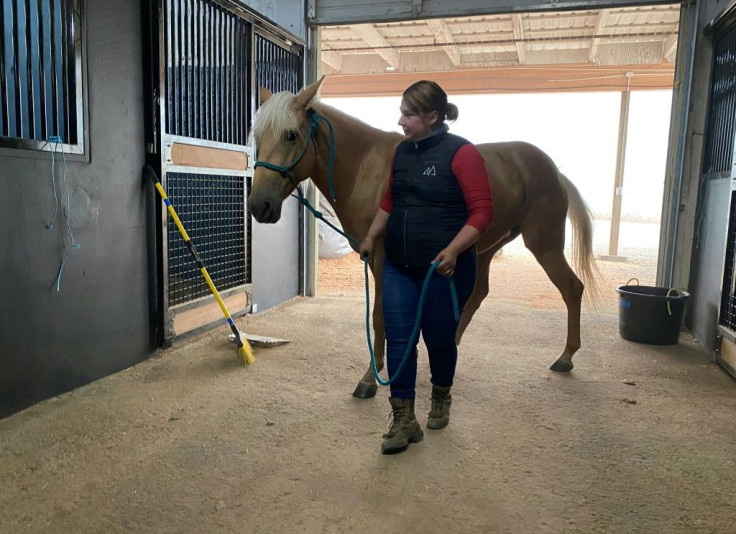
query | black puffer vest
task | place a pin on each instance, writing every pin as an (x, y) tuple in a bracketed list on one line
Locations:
[(428, 205)]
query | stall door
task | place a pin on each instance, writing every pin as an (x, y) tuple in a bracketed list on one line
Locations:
[(208, 64), (719, 163)]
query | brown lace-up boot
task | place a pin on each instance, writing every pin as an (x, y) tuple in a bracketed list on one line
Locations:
[(404, 428), (439, 415)]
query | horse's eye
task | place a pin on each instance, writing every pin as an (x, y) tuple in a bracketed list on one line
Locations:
[(290, 136)]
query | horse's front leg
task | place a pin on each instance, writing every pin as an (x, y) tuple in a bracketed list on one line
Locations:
[(368, 386)]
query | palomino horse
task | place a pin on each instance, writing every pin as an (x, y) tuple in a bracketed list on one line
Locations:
[(532, 199)]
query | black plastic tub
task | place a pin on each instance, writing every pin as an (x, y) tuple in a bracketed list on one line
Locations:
[(651, 315)]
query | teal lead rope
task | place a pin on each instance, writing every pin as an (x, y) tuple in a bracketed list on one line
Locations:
[(318, 215), (417, 323)]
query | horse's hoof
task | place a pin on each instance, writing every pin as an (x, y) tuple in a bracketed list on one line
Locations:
[(561, 366), (365, 390)]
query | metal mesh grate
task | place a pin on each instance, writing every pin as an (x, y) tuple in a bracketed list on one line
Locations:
[(212, 210), (722, 113), (728, 299)]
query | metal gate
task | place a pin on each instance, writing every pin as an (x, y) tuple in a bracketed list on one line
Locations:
[(277, 67), (210, 52), (719, 162)]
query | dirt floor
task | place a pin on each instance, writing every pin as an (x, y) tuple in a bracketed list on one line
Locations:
[(636, 439)]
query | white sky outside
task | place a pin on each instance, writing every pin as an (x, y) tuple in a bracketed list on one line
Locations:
[(578, 130)]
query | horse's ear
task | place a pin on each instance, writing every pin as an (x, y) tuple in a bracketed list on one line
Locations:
[(306, 96), (264, 94)]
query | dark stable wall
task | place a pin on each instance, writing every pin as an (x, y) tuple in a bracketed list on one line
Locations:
[(98, 323)]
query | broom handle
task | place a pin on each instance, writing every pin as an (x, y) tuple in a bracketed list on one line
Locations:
[(190, 246)]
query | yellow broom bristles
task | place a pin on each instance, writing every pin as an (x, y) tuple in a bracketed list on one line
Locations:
[(246, 353)]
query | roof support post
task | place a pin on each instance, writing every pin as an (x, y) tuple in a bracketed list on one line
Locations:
[(618, 185)]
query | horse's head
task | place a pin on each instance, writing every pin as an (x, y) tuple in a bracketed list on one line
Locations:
[(282, 131)]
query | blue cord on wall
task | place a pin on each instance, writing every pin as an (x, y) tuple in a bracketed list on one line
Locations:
[(56, 140)]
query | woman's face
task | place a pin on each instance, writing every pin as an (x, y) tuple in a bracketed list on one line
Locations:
[(415, 125)]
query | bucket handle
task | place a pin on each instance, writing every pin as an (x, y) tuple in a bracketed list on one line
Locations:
[(632, 279), (672, 290)]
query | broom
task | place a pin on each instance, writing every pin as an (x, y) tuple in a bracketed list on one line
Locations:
[(244, 349)]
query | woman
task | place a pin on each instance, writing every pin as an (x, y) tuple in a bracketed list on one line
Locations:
[(437, 203)]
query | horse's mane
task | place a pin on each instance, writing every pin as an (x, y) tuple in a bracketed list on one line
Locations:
[(275, 114)]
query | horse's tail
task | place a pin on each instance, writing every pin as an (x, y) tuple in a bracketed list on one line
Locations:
[(583, 257)]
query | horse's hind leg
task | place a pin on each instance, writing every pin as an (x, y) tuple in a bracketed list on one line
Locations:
[(480, 291), (549, 252)]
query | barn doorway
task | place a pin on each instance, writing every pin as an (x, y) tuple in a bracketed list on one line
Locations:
[(593, 88)]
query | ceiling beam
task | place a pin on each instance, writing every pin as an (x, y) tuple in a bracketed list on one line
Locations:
[(519, 36), (371, 11), (600, 24), (333, 59), (669, 46), (373, 38), (443, 34), (516, 79)]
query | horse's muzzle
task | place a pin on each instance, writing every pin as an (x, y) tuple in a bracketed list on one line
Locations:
[(264, 211)]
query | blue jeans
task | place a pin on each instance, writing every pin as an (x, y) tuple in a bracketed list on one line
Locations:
[(401, 292)]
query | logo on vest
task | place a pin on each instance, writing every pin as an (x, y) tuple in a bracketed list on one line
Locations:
[(430, 171)]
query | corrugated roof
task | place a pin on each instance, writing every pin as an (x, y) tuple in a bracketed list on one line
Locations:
[(616, 36)]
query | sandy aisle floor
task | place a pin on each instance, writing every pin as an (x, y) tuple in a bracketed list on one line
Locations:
[(636, 439)]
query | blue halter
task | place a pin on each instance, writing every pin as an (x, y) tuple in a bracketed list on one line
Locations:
[(285, 171)]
